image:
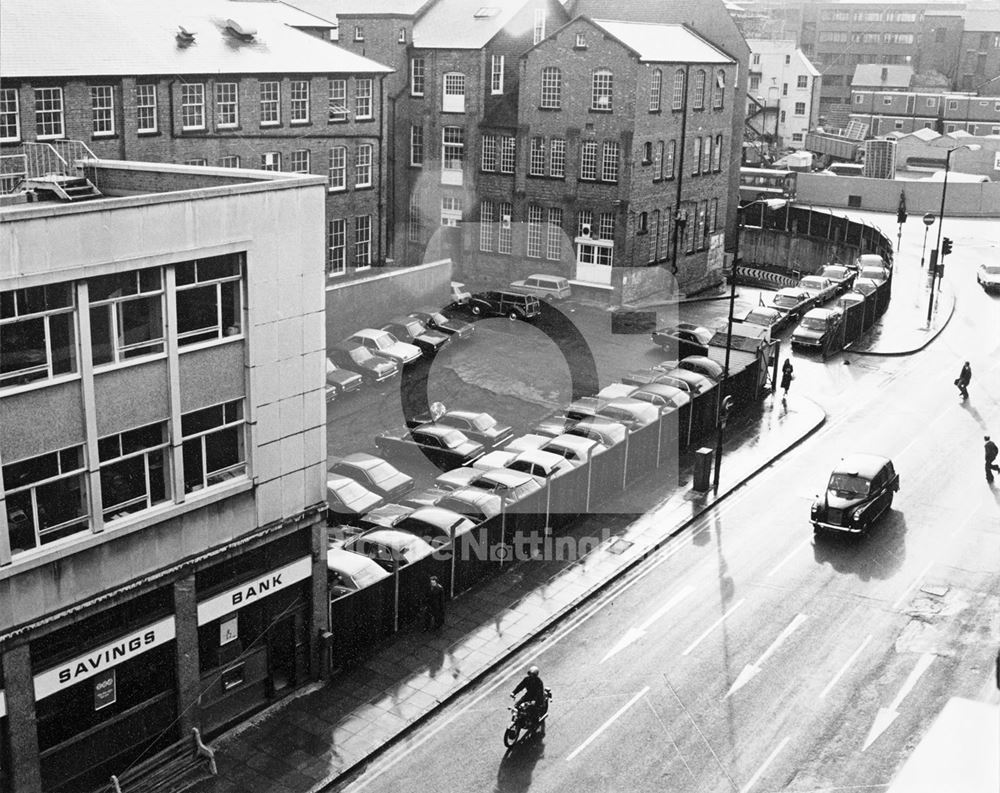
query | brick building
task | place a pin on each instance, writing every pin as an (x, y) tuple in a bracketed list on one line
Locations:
[(162, 462), (885, 111), (978, 67), (218, 83)]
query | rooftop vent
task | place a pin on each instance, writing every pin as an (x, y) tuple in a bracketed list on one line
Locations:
[(486, 12), (185, 36), (239, 30)]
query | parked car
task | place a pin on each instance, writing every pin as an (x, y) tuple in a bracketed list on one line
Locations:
[(390, 547), (616, 391), (703, 365), (988, 277), (383, 343), (348, 498), (683, 339), (348, 572), (662, 395), (479, 427), (792, 300), (871, 260), (531, 440), (654, 374), (537, 462), (441, 322), (412, 331), (358, 358), (866, 286), (432, 524), (574, 448), (547, 287), (374, 473), (459, 294), (821, 289), (842, 275), (605, 432), (685, 379), (633, 413), (817, 328), (511, 485), (860, 490), (477, 505), (877, 274), (340, 381), (445, 446), (505, 304), (765, 317)]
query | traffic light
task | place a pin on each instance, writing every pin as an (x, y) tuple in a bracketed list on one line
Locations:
[(945, 246)]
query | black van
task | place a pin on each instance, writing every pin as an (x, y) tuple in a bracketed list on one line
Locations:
[(505, 304)]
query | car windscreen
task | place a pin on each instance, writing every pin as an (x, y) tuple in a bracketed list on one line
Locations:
[(758, 318), (992, 269), (814, 323), (848, 485), (812, 283), (439, 319), (786, 300)]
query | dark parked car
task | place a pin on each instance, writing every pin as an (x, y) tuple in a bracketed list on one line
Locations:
[(479, 427), (390, 547), (505, 304), (374, 473), (445, 446), (683, 339), (358, 358), (439, 321), (860, 489), (347, 498), (412, 330), (817, 329), (340, 381), (840, 274)]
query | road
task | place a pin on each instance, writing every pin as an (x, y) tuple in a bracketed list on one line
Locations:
[(749, 657)]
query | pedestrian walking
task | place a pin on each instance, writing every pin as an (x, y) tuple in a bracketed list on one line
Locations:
[(991, 456), (435, 604), (964, 378), (787, 375)]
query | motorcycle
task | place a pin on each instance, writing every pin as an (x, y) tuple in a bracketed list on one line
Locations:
[(525, 723)]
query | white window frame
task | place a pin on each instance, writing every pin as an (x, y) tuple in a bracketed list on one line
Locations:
[(496, 74), (22, 310), (557, 158), (227, 106), (147, 454), (453, 92), (538, 28), (800, 109), (338, 110), (418, 76), (551, 89), (147, 290), (413, 218), (102, 110), (270, 161), (270, 103), (451, 211), (416, 145), (231, 284), (488, 160), (533, 247), (610, 154), (699, 90), (487, 214), (588, 161), (802, 81), (508, 153), (363, 166), (655, 90), (536, 158), (10, 114), (337, 170), (363, 108), (505, 242), (677, 98), (230, 161), (452, 148), (336, 247), (362, 242), (146, 108), (299, 161), (49, 110), (554, 235), (298, 92), (602, 83), (232, 415)]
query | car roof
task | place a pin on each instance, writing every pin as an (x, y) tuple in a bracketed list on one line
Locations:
[(539, 456), (573, 442), (396, 538), (662, 389), (473, 495), (820, 313), (437, 516), (688, 376), (862, 464), (360, 460), (790, 290), (435, 429), (507, 477), (367, 333), (465, 414), (340, 560), (347, 344)]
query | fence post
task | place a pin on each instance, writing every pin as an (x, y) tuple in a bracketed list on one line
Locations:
[(628, 435)]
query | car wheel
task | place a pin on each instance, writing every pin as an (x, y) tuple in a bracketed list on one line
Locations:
[(550, 298), (513, 315), (476, 311)]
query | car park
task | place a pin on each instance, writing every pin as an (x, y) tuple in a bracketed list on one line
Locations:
[(842, 275), (441, 322), (475, 504), (599, 429), (685, 379), (817, 328), (703, 365), (633, 413), (821, 289), (374, 473), (340, 381), (412, 331), (348, 572), (444, 446), (683, 339), (988, 277), (860, 490), (459, 294), (547, 287), (476, 426), (616, 391), (765, 317), (792, 300), (348, 498), (512, 305), (358, 358), (390, 548), (662, 395), (383, 343)]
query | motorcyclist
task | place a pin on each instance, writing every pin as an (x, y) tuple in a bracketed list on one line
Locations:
[(534, 693)]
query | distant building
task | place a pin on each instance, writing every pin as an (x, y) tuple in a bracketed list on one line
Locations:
[(162, 460), (891, 110), (922, 153), (782, 92), (979, 53)]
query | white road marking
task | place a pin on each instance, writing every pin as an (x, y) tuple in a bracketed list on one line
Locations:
[(760, 771), (887, 716), (714, 625), (636, 633), (794, 551), (593, 737), (752, 670), (913, 583), (845, 667)]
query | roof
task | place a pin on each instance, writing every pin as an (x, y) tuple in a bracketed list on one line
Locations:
[(982, 21), (331, 9), (860, 463), (925, 134), (463, 24), (138, 38), (663, 43), (870, 74)]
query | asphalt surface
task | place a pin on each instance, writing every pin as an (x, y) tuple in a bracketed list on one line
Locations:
[(749, 657)]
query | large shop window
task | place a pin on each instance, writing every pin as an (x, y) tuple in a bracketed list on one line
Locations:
[(126, 315), (214, 445), (46, 498), (37, 334), (134, 470), (209, 298)]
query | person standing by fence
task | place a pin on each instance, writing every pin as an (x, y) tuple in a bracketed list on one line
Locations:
[(787, 375)]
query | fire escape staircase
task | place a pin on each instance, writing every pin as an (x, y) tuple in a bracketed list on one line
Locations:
[(57, 167)]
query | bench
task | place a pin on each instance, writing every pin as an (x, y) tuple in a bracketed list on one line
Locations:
[(175, 768)]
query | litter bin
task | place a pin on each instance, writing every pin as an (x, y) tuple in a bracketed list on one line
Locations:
[(703, 469)]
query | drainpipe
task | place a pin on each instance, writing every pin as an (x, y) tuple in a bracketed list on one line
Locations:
[(386, 152), (679, 160)]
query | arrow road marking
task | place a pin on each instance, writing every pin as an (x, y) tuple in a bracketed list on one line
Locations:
[(634, 634), (714, 625), (887, 716), (751, 670), (607, 724), (845, 667)]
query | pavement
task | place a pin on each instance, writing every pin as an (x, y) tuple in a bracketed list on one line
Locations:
[(325, 732)]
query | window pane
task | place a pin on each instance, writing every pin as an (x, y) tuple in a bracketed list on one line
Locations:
[(61, 502), (123, 482), (36, 469), (193, 469), (142, 438), (101, 345), (200, 420), (22, 351), (224, 449), (197, 309), (140, 322), (20, 522)]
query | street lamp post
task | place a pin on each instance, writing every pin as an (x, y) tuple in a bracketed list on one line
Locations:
[(928, 222), (770, 203), (936, 253)]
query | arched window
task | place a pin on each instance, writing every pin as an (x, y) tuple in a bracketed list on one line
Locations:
[(654, 91), (678, 103), (699, 90), (719, 90)]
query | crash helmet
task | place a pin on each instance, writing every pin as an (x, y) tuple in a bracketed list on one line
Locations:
[(533, 671)]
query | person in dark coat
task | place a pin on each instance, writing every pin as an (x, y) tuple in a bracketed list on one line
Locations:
[(991, 456), (964, 379), (787, 374), (435, 603)]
